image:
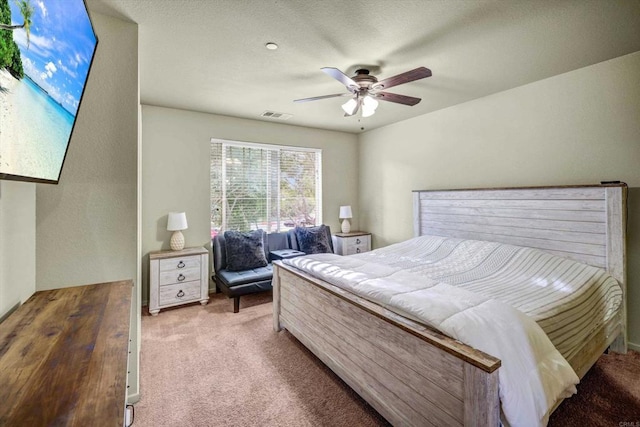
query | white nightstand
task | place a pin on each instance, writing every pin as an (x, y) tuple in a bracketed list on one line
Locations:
[(178, 277), (351, 243)]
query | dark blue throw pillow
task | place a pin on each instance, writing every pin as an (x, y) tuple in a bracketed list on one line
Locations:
[(313, 240), (244, 250)]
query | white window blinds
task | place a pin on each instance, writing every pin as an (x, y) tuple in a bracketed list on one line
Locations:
[(273, 188)]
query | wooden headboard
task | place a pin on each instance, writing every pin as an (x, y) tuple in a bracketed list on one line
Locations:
[(586, 223)]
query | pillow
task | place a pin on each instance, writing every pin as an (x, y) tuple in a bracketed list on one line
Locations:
[(244, 250), (313, 240)]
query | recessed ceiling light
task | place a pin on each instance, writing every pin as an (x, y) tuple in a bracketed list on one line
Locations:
[(271, 46)]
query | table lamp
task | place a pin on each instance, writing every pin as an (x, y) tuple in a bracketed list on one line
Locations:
[(345, 215), (176, 222)]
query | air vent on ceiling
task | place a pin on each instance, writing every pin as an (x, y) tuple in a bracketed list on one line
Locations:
[(277, 116)]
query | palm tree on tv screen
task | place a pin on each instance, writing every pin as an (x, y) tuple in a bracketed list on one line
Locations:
[(26, 10)]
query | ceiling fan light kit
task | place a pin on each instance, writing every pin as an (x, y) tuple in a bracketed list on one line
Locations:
[(366, 90), (366, 104)]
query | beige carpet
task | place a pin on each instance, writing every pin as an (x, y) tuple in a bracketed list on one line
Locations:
[(609, 395), (206, 366)]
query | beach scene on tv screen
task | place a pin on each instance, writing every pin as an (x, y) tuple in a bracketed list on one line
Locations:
[(46, 48)]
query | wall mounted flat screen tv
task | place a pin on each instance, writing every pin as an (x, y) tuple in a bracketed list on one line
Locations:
[(46, 51)]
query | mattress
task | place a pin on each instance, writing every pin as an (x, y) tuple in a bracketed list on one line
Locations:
[(567, 299)]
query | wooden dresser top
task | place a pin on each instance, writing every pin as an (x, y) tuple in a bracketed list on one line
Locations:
[(63, 357), (177, 254)]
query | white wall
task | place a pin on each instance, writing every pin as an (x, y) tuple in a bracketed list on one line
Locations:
[(580, 127), (17, 243), (87, 225), (175, 169)]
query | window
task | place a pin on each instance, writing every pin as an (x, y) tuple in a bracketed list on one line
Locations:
[(271, 187)]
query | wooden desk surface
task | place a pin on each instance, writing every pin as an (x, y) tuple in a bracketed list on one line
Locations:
[(63, 357)]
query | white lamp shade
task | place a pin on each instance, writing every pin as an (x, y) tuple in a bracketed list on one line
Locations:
[(369, 106), (177, 221), (350, 106), (345, 212)]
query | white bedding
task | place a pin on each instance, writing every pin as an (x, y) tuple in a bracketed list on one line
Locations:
[(533, 374), (567, 299)]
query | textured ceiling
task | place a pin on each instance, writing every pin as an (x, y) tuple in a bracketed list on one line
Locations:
[(209, 56)]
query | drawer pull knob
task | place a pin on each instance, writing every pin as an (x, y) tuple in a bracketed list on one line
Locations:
[(181, 277), (357, 250), (181, 264), (358, 241), (180, 294)]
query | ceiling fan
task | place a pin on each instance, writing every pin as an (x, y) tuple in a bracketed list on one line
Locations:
[(365, 90)]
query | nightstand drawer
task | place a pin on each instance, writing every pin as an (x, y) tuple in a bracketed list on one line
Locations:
[(179, 264), (179, 293), (361, 242), (356, 249), (179, 276)]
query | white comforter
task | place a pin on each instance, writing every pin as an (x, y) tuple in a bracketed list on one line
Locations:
[(533, 373)]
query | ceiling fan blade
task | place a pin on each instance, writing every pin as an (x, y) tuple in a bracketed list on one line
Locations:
[(409, 76), (315, 98), (341, 77), (399, 99)]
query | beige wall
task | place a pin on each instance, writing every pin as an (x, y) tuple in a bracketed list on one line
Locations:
[(87, 226), (175, 169), (17, 243), (580, 127)]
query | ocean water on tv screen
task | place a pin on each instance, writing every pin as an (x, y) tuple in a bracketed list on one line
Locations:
[(40, 131)]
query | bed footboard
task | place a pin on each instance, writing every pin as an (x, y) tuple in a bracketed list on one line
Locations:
[(411, 374)]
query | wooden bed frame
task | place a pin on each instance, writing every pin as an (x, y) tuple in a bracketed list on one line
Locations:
[(414, 375)]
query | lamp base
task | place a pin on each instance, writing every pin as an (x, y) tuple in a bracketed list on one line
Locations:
[(346, 226), (177, 241)]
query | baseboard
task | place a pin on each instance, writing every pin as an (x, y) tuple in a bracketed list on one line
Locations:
[(11, 310), (633, 346), (133, 398)]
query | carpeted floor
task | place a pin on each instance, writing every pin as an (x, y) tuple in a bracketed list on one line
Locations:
[(206, 366), (609, 395)]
